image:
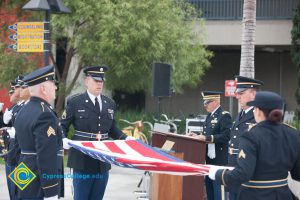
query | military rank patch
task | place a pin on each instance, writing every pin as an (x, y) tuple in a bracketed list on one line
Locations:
[(64, 115), (250, 126), (242, 154), (50, 131)]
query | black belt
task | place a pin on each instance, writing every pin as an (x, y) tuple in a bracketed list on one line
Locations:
[(29, 152), (91, 135), (266, 184)]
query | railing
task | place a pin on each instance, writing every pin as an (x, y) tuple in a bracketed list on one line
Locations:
[(233, 9)]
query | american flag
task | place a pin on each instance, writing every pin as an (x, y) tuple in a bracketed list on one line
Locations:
[(138, 155)]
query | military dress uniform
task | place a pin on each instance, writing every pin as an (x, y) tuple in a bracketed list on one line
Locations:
[(89, 120), (217, 134), (12, 152), (267, 152), (240, 125), (40, 141), (80, 112), (244, 119)]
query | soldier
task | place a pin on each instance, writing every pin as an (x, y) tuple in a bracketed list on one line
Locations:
[(9, 117), (245, 91), (40, 138), (216, 133), (92, 115), (267, 152)]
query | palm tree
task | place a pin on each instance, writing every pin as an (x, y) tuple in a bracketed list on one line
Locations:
[(248, 39)]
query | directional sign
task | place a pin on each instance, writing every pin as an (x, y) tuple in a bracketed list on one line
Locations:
[(28, 46), (230, 86), (22, 27), (27, 37), (30, 36)]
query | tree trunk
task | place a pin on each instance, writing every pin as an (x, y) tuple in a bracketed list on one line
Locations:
[(248, 39)]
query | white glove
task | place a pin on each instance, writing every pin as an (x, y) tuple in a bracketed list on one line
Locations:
[(65, 143), (51, 198), (213, 170), (1, 106), (7, 116), (211, 151), (12, 132), (130, 138)]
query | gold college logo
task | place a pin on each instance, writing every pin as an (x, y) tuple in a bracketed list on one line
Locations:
[(22, 176)]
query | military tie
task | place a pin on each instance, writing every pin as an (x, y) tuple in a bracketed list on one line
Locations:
[(241, 115), (97, 106)]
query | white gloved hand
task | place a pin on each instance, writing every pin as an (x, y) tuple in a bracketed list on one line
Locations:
[(7, 116), (213, 170), (51, 198), (65, 143), (1, 106), (130, 138), (211, 151), (12, 132)]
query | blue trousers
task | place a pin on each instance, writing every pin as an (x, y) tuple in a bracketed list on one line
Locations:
[(233, 196), (89, 186), (12, 188), (213, 190)]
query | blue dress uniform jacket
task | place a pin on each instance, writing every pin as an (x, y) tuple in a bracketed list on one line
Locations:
[(40, 140), (266, 154), (239, 127), (80, 111), (13, 154), (217, 130)]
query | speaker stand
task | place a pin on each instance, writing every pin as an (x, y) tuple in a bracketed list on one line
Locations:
[(159, 108)]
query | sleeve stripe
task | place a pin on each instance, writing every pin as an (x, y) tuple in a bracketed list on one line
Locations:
[(50, 186)]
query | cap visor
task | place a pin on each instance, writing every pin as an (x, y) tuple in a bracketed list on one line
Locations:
[(97, 78), (240, 90)]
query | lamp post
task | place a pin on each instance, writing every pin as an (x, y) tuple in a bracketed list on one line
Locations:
[(49, 6)]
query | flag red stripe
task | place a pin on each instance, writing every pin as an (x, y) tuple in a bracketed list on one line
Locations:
[(144, 151), (114, 148), (88, 144)]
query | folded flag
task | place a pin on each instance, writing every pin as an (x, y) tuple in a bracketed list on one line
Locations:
[(138, 155)]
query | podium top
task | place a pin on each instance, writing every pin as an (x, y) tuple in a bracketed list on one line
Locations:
[(178, 136)]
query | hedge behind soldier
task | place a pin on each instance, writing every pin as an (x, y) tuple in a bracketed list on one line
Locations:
[(40, 141)]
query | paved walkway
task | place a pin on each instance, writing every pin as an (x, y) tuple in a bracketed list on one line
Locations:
[(121, 185)]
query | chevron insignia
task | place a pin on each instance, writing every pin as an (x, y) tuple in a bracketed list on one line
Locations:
[(242, 154), (50, 131)]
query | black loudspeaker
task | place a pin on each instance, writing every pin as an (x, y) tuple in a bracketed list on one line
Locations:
[(161, 77)]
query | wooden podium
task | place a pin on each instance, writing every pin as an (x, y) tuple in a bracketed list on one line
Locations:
[(193, 151)]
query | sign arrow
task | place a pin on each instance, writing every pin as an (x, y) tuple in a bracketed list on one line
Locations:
[(14, 27), (13, 37), (13, 47)]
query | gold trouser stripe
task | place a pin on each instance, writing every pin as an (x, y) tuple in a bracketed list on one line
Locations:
[(50, 186), (223, 172), (222, 192)]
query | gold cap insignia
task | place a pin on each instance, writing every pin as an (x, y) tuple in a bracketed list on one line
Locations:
[(242, 154), (50, 131)]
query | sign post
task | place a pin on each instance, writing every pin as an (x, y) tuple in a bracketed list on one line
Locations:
[(230, 87)]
